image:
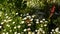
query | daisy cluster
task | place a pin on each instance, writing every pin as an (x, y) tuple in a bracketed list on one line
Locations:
[(9, 25)]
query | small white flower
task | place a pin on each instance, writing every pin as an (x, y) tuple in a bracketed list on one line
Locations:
[(22, 22), (51, 33), (21, 15), (13, 22), (31, 19), (7, 33), (36, 30), (10, 30), (10, 20), (3, 32), (37, 19), (15, 32), (33, 32), (25, 30), (43, 19), (27, 14), (18, 33), (29, 32), (37, 22), (46, 21), (29, 24), (2, 8), (25, 18), (6, 16), (59, 32), (19, 26), (15, 27), (33, 16), (8, 25), (2, 22), (16, 13), (52, 30), (45, 24), (57, 29), (41, 25), (0, 27), (43, 32), (40, 29), (28, 29)]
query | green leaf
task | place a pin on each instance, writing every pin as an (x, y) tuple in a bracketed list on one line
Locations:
[(1, 1)]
